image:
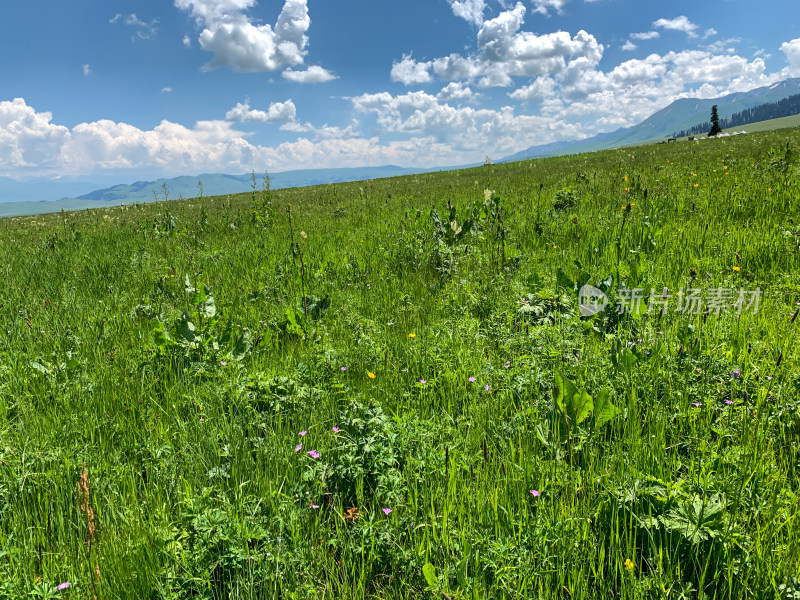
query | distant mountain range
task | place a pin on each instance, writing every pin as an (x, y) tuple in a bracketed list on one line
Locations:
[(40, 196), (681, 114), (216, 184)]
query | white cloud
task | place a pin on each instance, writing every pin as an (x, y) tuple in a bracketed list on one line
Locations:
[(723, 46), (540, 88), (455, 66), (325, 132), (238, 43), (792, 51), (505, 52), (278, 112), (645, 35), (313, 74), (31, 143), (87, 70), (169, 147), (466, 129), (455, 90), (709, 33), (696, 66), (166, 90), (681, 23), (629, 45), (542, 6), (144, 30), (28, 139), (410, 72), (187, 41), (469, 10)]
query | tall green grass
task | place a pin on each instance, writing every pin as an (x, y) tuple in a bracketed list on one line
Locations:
[(690, 490)]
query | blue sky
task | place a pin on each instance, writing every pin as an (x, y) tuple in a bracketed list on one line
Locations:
[(163, 88)]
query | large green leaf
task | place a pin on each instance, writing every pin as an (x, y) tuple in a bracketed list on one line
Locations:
[(160, 334), (187, 329), (292, 326), (579, 407), (604, 410), (563, 280), (242, 347), (429, 571), (207, 307), (565, 391)]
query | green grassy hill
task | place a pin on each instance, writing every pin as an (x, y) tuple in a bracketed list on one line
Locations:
[(388, 389)]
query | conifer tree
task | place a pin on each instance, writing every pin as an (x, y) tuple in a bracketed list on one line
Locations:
[(715, 128)]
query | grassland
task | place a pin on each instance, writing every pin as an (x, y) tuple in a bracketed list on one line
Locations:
[(336, 392)]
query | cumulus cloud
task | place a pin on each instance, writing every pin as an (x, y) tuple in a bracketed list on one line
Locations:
[(313, 74), (28, 139), (237, 42), (469, 10), (87, 70), (681, 23), (30, 143), (467, 129), (455, 90), (187, 41), (629, 45), (278, 112), (792, 51), (410, 72), (505, 52), (143, 30), (540, 88)]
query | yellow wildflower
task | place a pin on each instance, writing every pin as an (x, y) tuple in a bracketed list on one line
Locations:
[(371, 375), (412, 335), (629, 564)]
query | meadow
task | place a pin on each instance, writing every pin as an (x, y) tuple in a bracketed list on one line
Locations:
[(387, 389)]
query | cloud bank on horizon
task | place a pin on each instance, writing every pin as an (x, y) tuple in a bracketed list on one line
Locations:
[(249, 91)]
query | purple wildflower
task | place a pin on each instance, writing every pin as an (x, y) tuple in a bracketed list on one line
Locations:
[(313, 454), (535, 493), (344, 368), (298, 447), (487, 387), (697, 404), (314, 505), (386, 511), (422, 381), (472, 380), (63, 586), (728, 402), (735, 374), (302, 432), (335, 429), (223, 363)]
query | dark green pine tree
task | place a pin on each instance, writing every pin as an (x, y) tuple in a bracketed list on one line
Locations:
[(715, 128)]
